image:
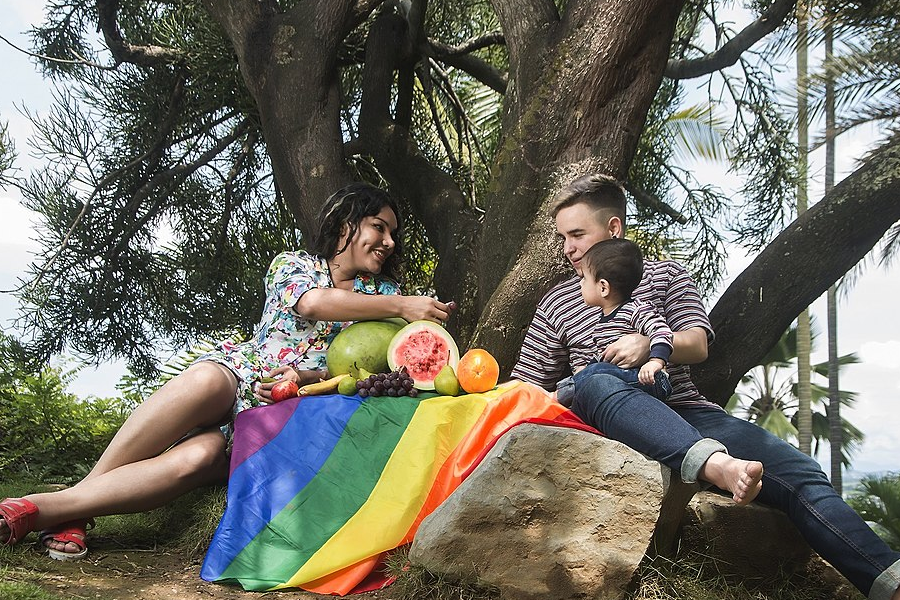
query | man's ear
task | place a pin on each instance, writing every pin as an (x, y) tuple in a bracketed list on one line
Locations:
[(616, 230)]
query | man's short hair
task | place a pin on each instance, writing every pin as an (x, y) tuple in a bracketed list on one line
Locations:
[(601, 192), (618, 261)]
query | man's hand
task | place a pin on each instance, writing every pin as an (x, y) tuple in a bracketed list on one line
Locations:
[(629, 351)]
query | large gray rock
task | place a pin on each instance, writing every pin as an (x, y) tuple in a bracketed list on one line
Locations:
[(553, 513)]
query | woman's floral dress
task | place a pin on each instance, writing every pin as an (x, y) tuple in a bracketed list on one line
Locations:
[(283, 337)]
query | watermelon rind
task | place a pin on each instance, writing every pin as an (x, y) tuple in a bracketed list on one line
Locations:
[(363, 343), (420, 332)]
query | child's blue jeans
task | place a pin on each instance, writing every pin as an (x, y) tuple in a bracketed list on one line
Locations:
[(660, 389)]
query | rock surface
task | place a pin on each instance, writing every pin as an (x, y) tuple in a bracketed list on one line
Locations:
[(552, 513), (752, 542)]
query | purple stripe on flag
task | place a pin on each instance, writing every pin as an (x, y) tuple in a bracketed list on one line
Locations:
[(269, 420)]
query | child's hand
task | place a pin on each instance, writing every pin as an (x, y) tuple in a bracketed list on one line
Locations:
[(647, 374)]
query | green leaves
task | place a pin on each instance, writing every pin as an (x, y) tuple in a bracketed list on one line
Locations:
[(878, 502), (47, 432), (768, 397)]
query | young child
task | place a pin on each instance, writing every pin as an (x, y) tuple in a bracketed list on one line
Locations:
[(611, 270)]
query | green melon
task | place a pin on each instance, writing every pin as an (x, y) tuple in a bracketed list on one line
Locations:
[(424, 348), (364, 343)]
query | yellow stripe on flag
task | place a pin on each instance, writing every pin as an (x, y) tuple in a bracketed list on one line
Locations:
[(403, 486)]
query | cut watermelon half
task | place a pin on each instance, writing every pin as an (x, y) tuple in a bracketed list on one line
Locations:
[(423, 348)]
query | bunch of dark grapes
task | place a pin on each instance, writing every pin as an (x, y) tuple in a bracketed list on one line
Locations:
[(395, 383)]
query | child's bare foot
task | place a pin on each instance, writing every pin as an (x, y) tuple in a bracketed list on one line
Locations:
[(743, 478)]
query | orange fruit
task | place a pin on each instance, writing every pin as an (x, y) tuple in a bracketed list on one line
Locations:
[(477, 371)]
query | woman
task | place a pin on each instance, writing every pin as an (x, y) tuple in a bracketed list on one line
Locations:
[(172, 443)]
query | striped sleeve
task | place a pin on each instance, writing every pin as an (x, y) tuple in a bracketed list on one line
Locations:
[(682, 305), (647, 321), (543, 358)]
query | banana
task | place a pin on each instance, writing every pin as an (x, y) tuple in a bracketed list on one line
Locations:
[(325, 386)]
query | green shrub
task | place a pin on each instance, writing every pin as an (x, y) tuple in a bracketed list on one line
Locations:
[(46, 432), (878, 502)]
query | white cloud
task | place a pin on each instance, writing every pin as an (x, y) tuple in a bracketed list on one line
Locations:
[(16, 224), (31, 13), (881, 354)]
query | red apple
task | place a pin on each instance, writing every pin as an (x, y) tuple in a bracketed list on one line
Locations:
[(284, 390)]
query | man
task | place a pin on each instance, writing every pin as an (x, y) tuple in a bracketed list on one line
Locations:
[(687, 433)]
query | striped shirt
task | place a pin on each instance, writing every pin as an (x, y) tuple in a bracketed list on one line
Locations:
[(634, 316), (562, 334)]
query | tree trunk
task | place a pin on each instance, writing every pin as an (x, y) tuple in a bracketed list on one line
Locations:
[(580, 90), (804, 335), (290, 68), (835, 425)]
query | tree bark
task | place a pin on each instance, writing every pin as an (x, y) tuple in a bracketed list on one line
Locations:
[(579, 92), (289, 64), (804, 334), (790, 272), (835, 422), (433, 196)]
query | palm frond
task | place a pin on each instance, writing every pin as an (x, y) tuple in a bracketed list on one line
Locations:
[(698, 133), (181, 361)]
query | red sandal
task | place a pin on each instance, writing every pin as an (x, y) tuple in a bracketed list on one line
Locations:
[(73, 532), (19, 515)]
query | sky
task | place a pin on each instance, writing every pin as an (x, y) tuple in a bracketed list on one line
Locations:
[(867, 325)]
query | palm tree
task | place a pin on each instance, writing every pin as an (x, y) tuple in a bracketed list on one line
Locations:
[(866, 76), (835, 436), (804, 337), (768, 397), (878, 502)]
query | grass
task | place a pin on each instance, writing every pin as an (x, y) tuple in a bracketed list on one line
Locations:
[(696, 577), (415, 583), (22, 591), (186, 526), (693, 576)]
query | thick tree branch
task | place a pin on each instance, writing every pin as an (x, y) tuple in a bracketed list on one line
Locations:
[(654, 203), (729, 53), (361, 11), (495, 38), (122, 51), (790, 273), (481, 70), (434, 196)]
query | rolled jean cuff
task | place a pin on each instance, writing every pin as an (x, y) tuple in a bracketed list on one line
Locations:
[(886, 584), (696, 457), (565, 392)]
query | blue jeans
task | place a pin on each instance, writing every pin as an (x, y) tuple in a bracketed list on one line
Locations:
[(660, 389), (793, 482)]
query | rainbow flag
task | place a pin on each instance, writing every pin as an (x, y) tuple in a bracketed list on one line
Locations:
[(321, 487)]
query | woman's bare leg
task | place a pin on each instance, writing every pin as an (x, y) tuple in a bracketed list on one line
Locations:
[(201, 397), (134, 474), (139, 486)]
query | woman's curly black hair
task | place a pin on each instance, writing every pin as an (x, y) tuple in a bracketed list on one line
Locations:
[(350, 205)]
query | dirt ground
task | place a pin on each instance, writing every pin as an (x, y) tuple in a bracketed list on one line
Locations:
[(150, 575)]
